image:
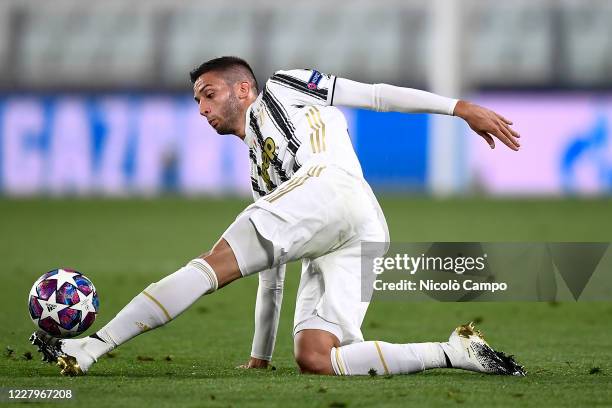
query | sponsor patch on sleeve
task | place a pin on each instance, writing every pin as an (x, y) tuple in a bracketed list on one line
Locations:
[(314, 80)]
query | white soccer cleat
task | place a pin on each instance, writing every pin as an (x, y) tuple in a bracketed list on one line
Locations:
[(70, 354), (468, 350)]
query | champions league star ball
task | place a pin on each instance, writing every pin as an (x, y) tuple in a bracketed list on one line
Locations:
[(63, 303)]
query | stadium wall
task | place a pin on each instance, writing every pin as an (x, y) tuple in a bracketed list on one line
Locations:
[(566, 148), (122, 144)]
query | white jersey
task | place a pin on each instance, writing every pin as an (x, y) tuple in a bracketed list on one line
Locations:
[(292, 123), (327, 208)]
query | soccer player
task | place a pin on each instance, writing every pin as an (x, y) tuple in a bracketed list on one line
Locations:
[(311, 204)]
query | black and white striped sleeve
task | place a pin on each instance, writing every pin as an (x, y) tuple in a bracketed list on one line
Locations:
[(303, 87)]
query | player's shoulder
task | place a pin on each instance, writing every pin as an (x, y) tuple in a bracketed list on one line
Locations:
[(302, 74), (310, 78)]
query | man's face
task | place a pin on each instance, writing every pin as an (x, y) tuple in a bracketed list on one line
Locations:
[(217, 102)]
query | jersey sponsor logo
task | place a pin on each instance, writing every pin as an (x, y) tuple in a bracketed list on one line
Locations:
[(314, 80), (267, 156)]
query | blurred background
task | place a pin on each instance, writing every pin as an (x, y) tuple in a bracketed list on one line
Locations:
[(95, 97)]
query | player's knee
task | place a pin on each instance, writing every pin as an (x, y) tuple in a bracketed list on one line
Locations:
[(311, 362), (223, 262), (312, 350)]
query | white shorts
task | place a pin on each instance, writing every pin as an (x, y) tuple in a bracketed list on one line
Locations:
[(321, 216)]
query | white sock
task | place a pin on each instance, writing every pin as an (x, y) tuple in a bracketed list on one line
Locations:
[(155, 306), (377, 357)]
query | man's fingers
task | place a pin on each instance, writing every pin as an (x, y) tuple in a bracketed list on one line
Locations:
[(509, 135), (514, 132), (503, 122), (504, 139), (490, 125), (488, 139), (503, 119)]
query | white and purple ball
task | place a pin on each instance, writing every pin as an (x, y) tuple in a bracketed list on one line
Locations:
[(63, 303)]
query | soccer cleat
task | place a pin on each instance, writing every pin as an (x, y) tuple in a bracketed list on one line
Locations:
[(70, 355), (69, 366), (48, 346), (468, 350)]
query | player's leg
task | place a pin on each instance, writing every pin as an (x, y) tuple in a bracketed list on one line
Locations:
[(466, 349), (163, 301), (319, 352), (330, 309), (319, 348)]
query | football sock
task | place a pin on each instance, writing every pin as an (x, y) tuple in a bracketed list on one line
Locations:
[(155, 306), (380, 358)]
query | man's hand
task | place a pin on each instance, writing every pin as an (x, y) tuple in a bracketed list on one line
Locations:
[(255, 363), (487, 124)]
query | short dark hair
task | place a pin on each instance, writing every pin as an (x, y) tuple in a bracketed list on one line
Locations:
[(224, 64)]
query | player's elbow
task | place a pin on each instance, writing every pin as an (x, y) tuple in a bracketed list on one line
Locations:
[(378, 100)]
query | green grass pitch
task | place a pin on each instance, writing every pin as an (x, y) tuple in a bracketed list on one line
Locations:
[(125, 245)]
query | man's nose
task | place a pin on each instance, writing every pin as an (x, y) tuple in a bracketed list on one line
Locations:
[(204, 109)]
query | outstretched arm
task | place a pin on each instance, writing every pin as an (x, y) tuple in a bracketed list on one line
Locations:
[(389, 98), (267, 314)]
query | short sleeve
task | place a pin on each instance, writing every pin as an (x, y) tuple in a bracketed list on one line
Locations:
[(302, 87)]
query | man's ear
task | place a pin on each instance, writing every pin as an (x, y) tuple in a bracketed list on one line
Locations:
[(244, 88)]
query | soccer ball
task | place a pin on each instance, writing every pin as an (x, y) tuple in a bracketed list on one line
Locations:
[(63, 303)]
